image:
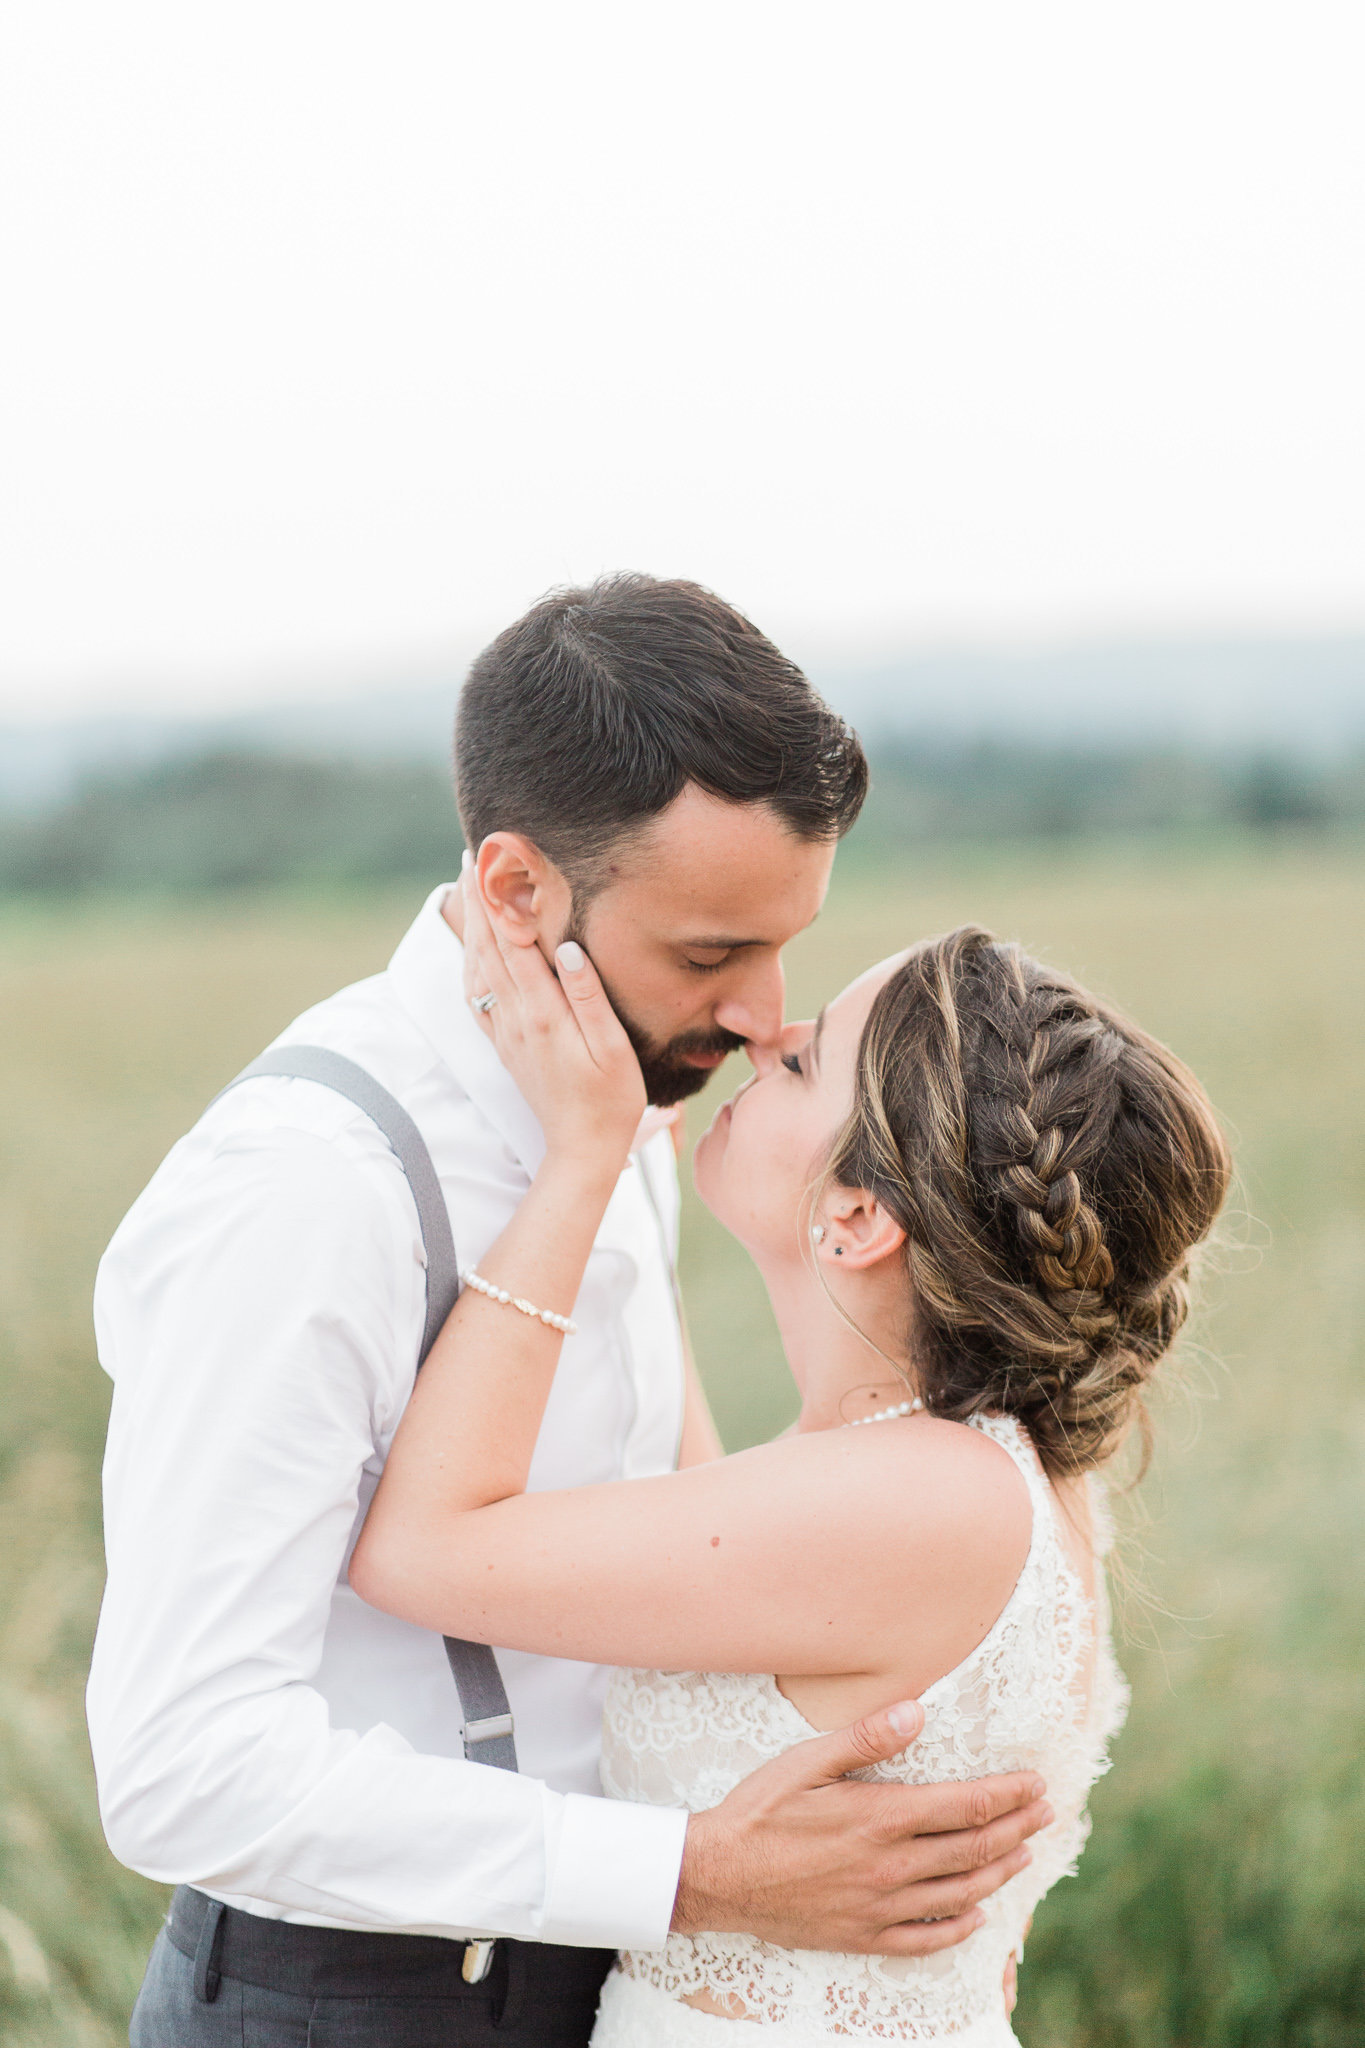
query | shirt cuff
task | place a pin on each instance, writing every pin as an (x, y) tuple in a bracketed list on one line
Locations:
[(613, 1873)]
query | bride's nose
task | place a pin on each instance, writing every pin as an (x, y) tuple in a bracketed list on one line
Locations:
[(765, 1054)]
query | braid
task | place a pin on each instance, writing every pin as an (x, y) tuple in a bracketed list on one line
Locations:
[(1052, 1167), (1037, 1177)]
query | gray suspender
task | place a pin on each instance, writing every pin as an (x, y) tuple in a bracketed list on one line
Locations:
[(488, 1737)]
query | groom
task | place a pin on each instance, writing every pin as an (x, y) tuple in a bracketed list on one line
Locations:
[(657, 779)]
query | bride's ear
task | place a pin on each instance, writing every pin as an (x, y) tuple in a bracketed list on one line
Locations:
[(857, 1231)]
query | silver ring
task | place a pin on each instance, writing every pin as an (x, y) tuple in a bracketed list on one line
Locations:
[(483, 1004)]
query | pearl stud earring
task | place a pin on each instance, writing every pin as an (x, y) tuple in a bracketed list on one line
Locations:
[(817, 1233)]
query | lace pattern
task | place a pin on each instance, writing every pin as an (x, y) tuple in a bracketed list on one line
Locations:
[(1040, 1692)]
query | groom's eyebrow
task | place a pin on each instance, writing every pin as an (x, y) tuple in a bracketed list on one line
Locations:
[(724, 942)]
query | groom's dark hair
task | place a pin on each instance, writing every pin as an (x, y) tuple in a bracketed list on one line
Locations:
[(593, 712)]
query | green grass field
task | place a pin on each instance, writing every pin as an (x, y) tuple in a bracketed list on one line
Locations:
[(1222, 1903)]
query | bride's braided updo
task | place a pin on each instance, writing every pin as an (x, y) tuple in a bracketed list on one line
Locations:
[(1053, 1168)]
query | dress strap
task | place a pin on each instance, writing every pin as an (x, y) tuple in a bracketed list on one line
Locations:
[(1014, 1439)]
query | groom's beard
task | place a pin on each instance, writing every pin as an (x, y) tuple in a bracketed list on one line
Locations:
[(668, 1076)]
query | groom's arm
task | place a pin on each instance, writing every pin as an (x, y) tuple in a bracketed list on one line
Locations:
[(260, 1311), (807, 1858)]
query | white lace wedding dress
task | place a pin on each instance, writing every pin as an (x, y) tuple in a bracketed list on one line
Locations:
[(1040, 1692)]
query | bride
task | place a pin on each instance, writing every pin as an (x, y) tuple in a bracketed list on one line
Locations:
[(972, 1191)]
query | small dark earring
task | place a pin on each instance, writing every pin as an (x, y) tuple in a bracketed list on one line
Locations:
[(838, 1251)]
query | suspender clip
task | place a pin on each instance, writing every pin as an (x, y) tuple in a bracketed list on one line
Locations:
[(488, 1729), (478, 1961)]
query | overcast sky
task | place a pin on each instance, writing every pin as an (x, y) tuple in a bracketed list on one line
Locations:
[(335, 333)]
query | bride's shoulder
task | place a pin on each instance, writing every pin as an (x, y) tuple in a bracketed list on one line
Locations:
[(915, 1531), (925, 1478)]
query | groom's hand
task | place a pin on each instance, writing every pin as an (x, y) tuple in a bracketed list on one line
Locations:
[(807, 1858)]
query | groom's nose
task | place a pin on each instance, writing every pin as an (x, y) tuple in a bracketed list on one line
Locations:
[(752, 1008)]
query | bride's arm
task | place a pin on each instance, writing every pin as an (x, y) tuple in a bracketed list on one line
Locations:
[(823, 1554), (776, 1559), (469, 1432), (700, 1438)]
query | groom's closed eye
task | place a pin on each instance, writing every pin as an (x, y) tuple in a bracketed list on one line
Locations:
[(722, 946)]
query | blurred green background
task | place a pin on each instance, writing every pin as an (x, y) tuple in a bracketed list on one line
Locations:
[(1222, 1902)]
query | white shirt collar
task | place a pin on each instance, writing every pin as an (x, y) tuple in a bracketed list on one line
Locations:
[(427, 972)]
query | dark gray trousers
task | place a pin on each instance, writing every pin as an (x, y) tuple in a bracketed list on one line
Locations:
[(533, 1997)]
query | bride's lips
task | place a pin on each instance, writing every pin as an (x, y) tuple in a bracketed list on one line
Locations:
[(721, 1120)]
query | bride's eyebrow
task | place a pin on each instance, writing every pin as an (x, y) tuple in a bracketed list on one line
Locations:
[(815, 1039)]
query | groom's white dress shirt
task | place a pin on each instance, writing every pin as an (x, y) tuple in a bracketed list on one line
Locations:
[(257, 1730)]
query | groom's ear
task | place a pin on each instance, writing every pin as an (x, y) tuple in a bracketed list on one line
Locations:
[(527, 898)]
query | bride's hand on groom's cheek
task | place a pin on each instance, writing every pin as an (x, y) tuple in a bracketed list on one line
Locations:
[(806, 1857), (558, 1036)]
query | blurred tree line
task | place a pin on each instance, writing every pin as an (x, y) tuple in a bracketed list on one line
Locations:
[(242, 820), (238, 821)]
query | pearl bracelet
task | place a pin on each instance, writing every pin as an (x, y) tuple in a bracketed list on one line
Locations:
[(547, 1316)]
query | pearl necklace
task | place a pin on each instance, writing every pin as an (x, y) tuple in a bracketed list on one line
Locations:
[(886, 1414)]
